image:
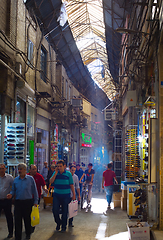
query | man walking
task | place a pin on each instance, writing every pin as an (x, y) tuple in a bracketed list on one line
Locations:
[(50, 173), (63, 185), (6, 181), (79, 172), (77, 188), (44, 171), (25, 192), (107, 183), (39, 180)]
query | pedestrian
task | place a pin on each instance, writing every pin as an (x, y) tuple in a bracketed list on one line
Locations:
[(50, 173), (63, 185), (39, 180), (25, 193), (68, 168), (40, 183), (89, 175), (6, 181), (79, 172), (76, 187), (107, 183), (44, 171)]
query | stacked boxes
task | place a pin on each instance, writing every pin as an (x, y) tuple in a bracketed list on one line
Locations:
[(123, 203), (124, 194), (137, 231), (117, 199)]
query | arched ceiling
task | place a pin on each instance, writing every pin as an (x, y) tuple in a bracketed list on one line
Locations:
[(87, 25), (87, 44)]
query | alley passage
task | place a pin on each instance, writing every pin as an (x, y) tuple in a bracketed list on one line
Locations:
[(87, 225)]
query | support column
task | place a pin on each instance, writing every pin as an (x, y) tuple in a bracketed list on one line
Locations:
[(160, 63), (2, 138)]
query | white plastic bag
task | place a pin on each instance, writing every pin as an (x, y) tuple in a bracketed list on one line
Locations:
[(73, 208)]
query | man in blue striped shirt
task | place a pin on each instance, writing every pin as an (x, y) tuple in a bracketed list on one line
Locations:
[(63, 185)]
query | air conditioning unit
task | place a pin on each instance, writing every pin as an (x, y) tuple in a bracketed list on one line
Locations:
[(18, 68), (77, 102), (110, 115)]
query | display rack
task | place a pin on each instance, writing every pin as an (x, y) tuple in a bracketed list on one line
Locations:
[(14, 143), (117, 158), (141, 200), (132, 159)]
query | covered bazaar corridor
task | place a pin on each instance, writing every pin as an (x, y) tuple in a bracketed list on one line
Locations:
[(95, 224)]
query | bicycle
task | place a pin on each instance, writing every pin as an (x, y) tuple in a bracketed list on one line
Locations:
[(84, 196)]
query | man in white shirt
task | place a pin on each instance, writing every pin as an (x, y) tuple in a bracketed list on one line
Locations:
[(76, 186), (6, 181)]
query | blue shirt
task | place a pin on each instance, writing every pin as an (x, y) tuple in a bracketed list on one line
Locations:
[(79, 173), (25, 188), (62, 184), (44, 173), (5, 185)]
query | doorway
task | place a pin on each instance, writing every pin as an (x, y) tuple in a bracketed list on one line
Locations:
[(40, 157)]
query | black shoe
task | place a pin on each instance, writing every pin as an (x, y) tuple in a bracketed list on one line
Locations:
[(28, 237), (57, 227), (71, 225), (32, 229), (63, 230), (10, 235)]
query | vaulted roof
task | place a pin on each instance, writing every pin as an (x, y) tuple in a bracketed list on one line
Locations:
[(87, 44)]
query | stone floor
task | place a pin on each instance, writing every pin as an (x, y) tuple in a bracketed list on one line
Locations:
[(94, 224)]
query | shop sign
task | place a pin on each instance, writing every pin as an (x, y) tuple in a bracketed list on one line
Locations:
[(86, 145), (86, 140)]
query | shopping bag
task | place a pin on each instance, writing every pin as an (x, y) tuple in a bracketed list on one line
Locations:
[(35, 218), (73, 208)]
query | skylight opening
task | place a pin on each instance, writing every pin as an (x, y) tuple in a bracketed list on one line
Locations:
[(88, 39), (95, 67), (86, 20)]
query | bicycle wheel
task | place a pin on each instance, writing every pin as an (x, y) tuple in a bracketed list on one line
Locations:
[(82, 200), (86, 198)]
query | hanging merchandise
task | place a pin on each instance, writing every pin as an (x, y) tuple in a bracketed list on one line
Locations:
[(132, 163), (54, 151), (15, 143)]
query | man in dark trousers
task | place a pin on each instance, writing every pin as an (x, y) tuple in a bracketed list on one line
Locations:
[(50, 173), (107, 183), (63, 185), (6, 181), (39, 180), (77, 188), (44, 171), (25, 192), (79, 172)]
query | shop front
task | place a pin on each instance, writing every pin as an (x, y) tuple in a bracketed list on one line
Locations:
[(42, 152), (85, 148)]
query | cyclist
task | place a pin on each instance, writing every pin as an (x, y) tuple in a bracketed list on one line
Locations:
[(89, 175)]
